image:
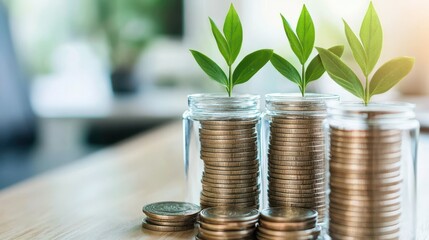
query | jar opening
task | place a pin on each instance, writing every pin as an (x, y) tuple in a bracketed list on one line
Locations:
[(373, 111)]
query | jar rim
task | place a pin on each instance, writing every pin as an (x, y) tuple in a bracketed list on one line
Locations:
[(387, 107), (223, 96), (297, 97)]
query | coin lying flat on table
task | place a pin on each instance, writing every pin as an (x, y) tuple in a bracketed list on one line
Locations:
[(288, 223), (227, 223), (170, 216)]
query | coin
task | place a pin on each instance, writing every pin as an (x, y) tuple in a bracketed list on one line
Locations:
[(235, 122), (228, 141), (230, 177), (229, 150), (372, 231), (170, 223), (228, 137), (291, 165), (228, 226), (288, 214), (232, 164), (160, 228), (227, 132), (274, 192), (221, 215), (362, 168), (295, 125), (296, 176), (231, 172), (297, 234), (308, 136), (267, 227), (296, 182), (229, 200), (254, 167), (364, 133), (310, 131), (312, 149), (318, 143), (171, 210), (296, 171), (231, 189), (229, 185), (253, 154), (223, 195)]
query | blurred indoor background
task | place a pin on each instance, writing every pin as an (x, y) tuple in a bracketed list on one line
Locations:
[(79, 75)]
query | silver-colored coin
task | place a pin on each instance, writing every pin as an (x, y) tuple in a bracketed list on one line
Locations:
[(171, 210), (296, 176), (253, 153), (220, 215)]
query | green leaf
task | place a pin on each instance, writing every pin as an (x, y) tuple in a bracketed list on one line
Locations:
[(221, 42), (357, 49), (286, 69), (250, 65), (306, 33), (390, 74), (293, 40), (233, 32), (315, 69), (210, 67), (341, 73), (371, 35)]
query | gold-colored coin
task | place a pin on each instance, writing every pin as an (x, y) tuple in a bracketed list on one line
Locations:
[(224, 188), (307, 125), (364, 222), (298, 120), (171, 210), (367, 145), (160, 228), (251, 199), (310, 149), (310, 131), (229, 150), (298, 234), (307, 136), (313, 154), (296, 171), (367, 133), (361, 207), (296, 139), (269, 227), (351, 236), (273, 192), (364, 232), (254, 167), (230, 177), (222, 215), (366, 216), (362, 161), (227, 132), (227, 186), (369, 181), (232, 122), (222, 235), (301, 165), (394, 151), (296, 182), (220, 159), (297, 200), (229, 195), (252, 153), (228, 226), (218, 146), (375, 194), (362, 168), (249, 172), (378, 140), (228, 141), (232, 164), (223, 183), (283, 189), (316, 143), (296, 176), (228, 137), (170, 223), (296, 160)]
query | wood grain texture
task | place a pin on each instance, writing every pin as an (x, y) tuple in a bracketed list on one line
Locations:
[(101, 196)]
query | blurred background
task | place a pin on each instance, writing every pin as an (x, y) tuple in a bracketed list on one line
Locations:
[(78, 75)]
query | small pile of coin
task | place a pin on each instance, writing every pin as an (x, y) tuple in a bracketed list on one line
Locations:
[(219, 223), (296, 157), (365, 183), (288, 223), (170, 216), (229, 149)]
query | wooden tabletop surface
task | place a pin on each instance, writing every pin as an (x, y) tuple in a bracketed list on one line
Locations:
[(101, 196)]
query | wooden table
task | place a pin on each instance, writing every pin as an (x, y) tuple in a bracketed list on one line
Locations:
[(101, 196)]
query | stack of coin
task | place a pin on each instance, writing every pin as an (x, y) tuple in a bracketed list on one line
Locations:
[(365, 183), (288, 223), (227, 223), (296, 157), (229, 149), (170, 216)]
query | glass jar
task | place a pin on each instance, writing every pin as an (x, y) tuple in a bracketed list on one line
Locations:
[(293, 150), (221, 142), (372, 160)]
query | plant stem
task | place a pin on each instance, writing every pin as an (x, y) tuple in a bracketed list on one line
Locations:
[(229, 81), (366, 93), (302, 87)]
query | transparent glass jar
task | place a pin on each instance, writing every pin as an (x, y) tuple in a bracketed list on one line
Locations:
[(221, 142), (372, 161), (293, 150)]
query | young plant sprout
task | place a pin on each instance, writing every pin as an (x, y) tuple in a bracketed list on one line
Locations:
[(229, 45), (366, 51), (302, 44)]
